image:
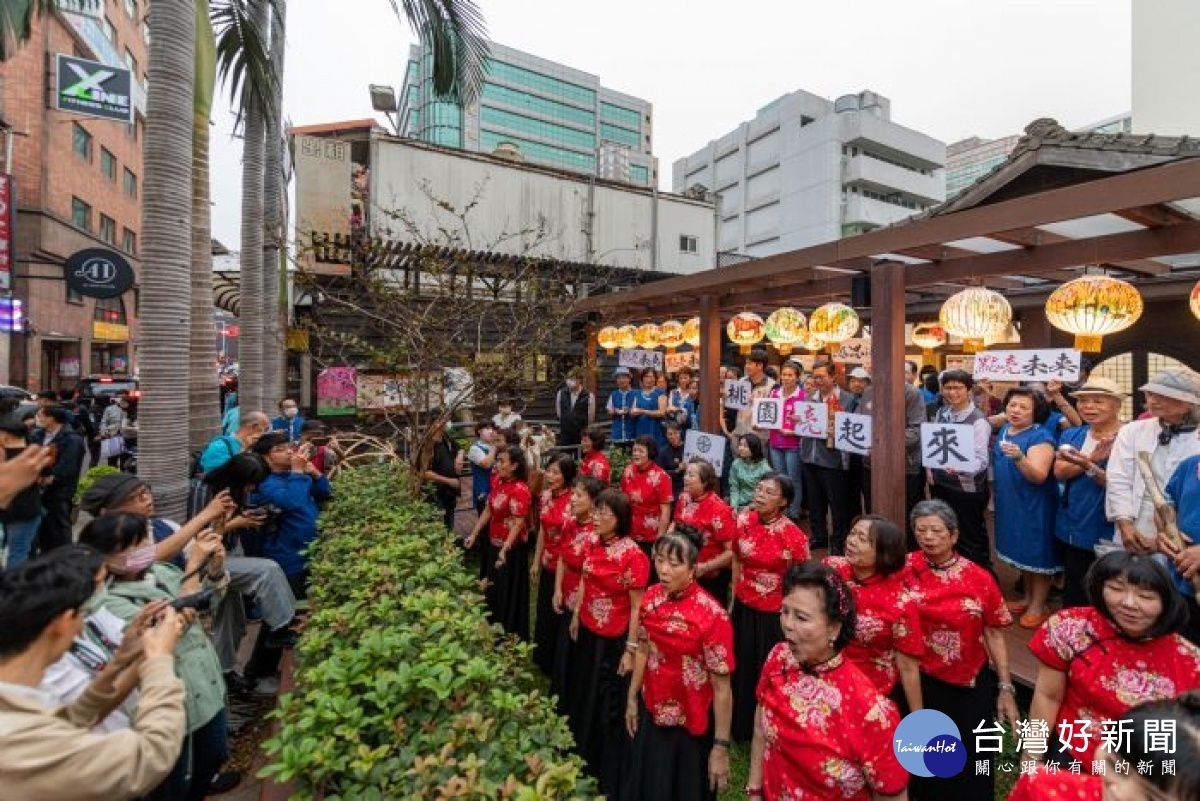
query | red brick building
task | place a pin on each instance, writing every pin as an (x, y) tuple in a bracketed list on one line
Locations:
[(78, 185)]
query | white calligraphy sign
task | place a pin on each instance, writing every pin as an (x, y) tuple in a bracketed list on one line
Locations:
[(854, 351), (689, 358), (852, 432), (1028, 365), (767, 413), (737, 394), (814, 419), (709, 447), (637, 359), (948, 446)]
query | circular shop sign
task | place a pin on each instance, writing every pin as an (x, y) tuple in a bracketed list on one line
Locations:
[(98, 273)]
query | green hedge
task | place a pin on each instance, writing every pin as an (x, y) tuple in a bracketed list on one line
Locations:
[(403, 690)]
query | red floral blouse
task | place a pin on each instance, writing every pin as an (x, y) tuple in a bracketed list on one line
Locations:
[(1108, 674), (765, 551), (1062, 785), (956, 603), (553, 511), (827, 731), (610, 571), (888, 622), (577, 538), (509, 498), (690, 637), (648, 490), (596, 464), (712, 516)]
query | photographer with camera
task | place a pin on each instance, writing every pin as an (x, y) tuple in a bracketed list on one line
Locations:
[(136, 581), (48, 751)]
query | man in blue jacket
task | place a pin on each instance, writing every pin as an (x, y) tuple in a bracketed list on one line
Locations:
[(291, 494)]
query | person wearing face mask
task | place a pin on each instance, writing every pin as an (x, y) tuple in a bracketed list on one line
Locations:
[(289, 420), (576, 410)]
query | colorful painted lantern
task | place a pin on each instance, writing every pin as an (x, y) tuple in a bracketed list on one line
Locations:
[(609, 338), (833, 323), (627, 336), (647, 336), (670, 335), (928, 336), (785, 328), (691, 332), (746, 330), (974, 314), (1091, 307)]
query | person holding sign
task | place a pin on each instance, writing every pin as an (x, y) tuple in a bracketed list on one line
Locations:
[(620, 403), (785, 445), (1026, 498), (966, 492), (649, 408), (681, 406), (826, 469)]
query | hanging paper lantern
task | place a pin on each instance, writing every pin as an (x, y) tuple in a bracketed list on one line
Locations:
[(627, 336), (1195, 300), (608, 338), (928, 336), (647, 336), (691, 332), (671, 335), (809, 342), (833, 323), (974, 314), (1092, 306), (785, 328), (746, 330)]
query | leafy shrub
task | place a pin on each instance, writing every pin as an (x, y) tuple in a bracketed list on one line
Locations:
[(403, 689), (618, 459), (89, 478)]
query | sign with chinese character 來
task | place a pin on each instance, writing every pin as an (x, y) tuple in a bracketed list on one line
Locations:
[(709, 447), (1028, 365), (948, 446), (637, 359), (737, 394), (814, 419), (852, 432), (767, 413), (689, 358)]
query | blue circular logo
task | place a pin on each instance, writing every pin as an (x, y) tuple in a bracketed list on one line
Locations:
[(928, 743)]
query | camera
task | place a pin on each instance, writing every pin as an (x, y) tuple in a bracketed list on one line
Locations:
[(200, 601)]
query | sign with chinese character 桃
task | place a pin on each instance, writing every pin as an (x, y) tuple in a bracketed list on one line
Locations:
[(638, 359), (814, 419), (852, 432), (690, 359), (1028, 365), (709, 447), (767, 413), (94, 89), (337, 391), (737, 394), (948, 446), (8, 204), (854, 351)]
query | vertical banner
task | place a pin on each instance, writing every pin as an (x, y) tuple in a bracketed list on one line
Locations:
[(8, 204)]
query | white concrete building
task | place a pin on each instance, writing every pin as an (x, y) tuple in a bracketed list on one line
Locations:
[(1166, 67), (807, 170)]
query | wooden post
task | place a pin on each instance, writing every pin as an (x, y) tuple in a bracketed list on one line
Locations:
[(590, 368), (710, 364), (1035, 328), (887, 383)]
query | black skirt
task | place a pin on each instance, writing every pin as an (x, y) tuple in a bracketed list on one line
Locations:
[(596, 706), (545, 628), (507, 592), (755, 633), (717, 585), (667, 763), (966, 706)]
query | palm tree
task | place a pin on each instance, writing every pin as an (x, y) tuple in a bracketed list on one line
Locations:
[(275, 200)]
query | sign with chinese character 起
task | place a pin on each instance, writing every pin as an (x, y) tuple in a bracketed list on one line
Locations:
[(94, 89), (638, 359), (767, 413), (737, 393), (689, 358), (814, 419), (948, 446), (852, 432), (1028, 365), (854, 351), (8, 202), (709, 447)]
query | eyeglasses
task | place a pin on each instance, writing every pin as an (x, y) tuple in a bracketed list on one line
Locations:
[(603, 511)]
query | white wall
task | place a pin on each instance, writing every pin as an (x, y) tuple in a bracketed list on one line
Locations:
[(1166, 67)]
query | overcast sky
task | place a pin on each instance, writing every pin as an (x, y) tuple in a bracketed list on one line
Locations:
[(952, 68)]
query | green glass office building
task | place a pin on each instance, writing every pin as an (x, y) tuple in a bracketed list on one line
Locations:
[(551, 114)]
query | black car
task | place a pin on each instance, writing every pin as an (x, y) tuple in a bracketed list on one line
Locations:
[(95, 388)]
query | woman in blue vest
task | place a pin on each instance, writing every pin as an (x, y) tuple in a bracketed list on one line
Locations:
[(620, 404), (649, 408)]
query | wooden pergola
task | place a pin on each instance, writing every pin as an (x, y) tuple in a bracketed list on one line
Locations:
[(1062, 202)]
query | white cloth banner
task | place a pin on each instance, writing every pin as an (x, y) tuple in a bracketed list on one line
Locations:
[(709, 447), (852, 432), (948, 446)]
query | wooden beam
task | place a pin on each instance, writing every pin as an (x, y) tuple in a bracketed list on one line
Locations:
[(1035, 237), (1154, 216), (710, 364), (888, 413)]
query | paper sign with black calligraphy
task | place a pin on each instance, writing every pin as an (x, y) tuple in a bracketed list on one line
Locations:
[(814, 419), (1028, 365), (737, 394), (709, 447), (854, 351), (636, 359), (689, 358), (852, 432), (767, 413), (948, 446)]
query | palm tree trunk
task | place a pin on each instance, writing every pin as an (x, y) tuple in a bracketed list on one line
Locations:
[(274, 339), (252, 375), (165, 278)]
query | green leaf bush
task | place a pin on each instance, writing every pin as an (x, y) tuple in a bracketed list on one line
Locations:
[(403, 689)]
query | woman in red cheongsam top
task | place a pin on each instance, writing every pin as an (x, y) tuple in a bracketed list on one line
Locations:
[(766, 544), (578, 534), (553, 512), (701, 507), (822, 730), (684, 658), (887, 644), (594, 462), (1099, 661), (649, 489), (615, 572), (506, 562)]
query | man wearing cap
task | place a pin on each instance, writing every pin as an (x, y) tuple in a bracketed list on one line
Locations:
[(619, 404), (1169, 435), (576, 410)]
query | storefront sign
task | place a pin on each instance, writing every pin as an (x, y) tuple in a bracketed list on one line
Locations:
[(98, 273), (94, 89), (68, 367), (110, 332), (8, 203)]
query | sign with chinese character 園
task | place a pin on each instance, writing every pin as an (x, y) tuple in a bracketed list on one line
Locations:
[(638, 359), (767, 413), (852, 432), (1028, 365), (689, 358), (854, 351), (737, 394), (709, 447), (948, 446), (814, 419)]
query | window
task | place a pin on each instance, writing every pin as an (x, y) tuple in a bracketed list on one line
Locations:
[(129, 183), (542, 83), (624, 136), (129, 242), (536, 151), (639, 174), (530, 127), (74, 297), (108, 230), (110, 33), (132, 63), (110, 310), (81, 214), (108, 164), (620, 115), (687, 244), (538, 105), (81, 141)]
